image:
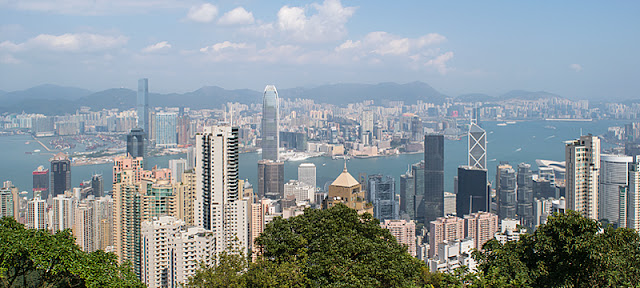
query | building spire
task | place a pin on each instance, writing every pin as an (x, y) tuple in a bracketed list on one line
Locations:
[(345, 166)]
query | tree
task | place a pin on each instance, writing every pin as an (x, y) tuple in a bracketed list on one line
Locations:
[(35, 258)]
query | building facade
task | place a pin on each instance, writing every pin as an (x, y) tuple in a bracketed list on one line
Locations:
[(433, 177), (582, 158), (270, 123)]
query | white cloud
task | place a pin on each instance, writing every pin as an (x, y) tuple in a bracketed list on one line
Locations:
[(224, 45), (348, 45), (237, 16), (9, 59), (83, 7), (576, 67), (328, 24), (440, 62), (81, 42), (164, 45), (204, 13)]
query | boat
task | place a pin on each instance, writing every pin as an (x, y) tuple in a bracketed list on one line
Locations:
[(502, 124), (36, 151), (511, 122), (519, 149)]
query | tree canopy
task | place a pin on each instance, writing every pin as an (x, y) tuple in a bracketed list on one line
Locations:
[(36, 258)]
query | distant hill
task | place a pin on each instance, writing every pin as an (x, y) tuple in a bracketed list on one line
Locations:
[(528, 95), (47, 99), (475, 97), (120, 98), (380, 93)]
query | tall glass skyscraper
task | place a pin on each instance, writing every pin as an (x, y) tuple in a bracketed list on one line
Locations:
[(143, 104), (270, 122), (433, 177), (477, 146)]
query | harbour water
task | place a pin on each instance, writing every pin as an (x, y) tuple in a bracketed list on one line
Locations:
[(520, 142)]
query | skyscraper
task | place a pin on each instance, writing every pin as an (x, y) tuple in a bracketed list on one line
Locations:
[(270, 124), (477, 146), (433, 177), (417, 170), (60, 174), (37, 214), (135, 142), (307, 174), (9, 201), (97, 185), (444, 228), (177, 166), (41, 182), (142, 104), (582, 158), (271, 179), (219, 207), (614, 174), (473, 193), (525, 195), (633, 197), (506, 191), (407, 194), (166, 129), (126, 216), (382, 194)]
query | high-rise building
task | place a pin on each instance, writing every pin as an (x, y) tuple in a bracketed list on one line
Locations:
[(407, 194), (449, 203), (184, 196), (127, 163), (219, 206), (481, 227), (63, 211), (473, 193), (299, 191), (270, 124), (525, 195), (184, 123), (155, 196), (348, 191), (37, 214), (84, 225), (614, 174), (191, 158), (165, 129), (135, 142), (256, 221), (506, 191), (444, 228), (103, 221), (382, 194), (633, 197), (307, 174), (271, 179), (366, 123), (477, 146), (60, 174), (417, 170), (142, 105), (41, 182), (97, 185), (404, 231), (582, 158), (416, 129), (433, 177), (177, 166)]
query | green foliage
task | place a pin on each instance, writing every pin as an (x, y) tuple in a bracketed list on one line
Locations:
[(569, 251), (227, 273), (35, 258)]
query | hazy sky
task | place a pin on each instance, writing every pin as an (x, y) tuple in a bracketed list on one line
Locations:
[(578, 49)]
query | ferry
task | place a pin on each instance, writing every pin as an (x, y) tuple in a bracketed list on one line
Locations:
[(511, 122), (502, 124)]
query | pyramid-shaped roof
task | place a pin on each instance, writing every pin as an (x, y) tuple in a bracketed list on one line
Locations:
[(345, 179)]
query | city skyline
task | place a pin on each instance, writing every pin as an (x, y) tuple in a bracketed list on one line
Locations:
[(94, 44)]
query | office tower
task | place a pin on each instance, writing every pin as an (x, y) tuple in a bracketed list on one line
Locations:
[(481, 226), (633, 197), (417, 170), (142, 105), (41, 182), (444, 228), (614, 174), (126, 216), (184, 123), (477, 146), (173, 251), (299, 191), (543, 188), (135, 142), (416, 129), (404, 231), (473, 194), (97, 185), (60, 174), (177, 166), (582, 158), (449, 203), (407, 194), (433, 177), (525, 195), (127, 163), (165, 129), (219, 206), (182, 201), (348, 191), (155, 197), (84, 225), (270, 124), (271, 179), (63, 212), (9, 201), (307, 174), (37, 214), (506, 191), (382, 194)]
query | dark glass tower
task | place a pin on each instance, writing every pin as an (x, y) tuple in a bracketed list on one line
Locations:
[(142, 104), (97, 185), (473, 192), (418, 186), (506, 191), (271, 179), (60, 174), (407, 194), (525, 195), (382, 193), (135, 143), (270, 122), (433, 177), (41, 182)]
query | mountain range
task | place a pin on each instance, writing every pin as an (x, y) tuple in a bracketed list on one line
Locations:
[(56, 100)]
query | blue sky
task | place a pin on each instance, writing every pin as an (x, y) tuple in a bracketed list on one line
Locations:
[(578, 49)]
